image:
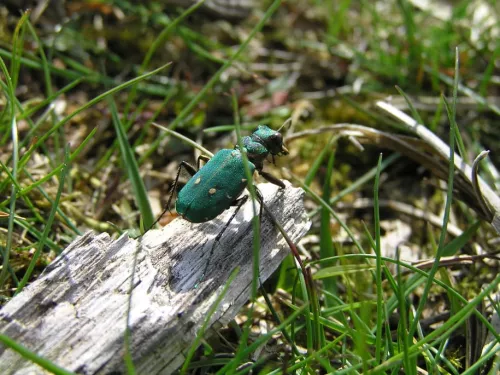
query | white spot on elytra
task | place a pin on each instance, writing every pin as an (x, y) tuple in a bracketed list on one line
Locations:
[(243, 180), (212, 191), (198, 180)]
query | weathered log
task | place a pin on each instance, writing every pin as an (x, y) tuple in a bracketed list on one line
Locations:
[(75, 313)]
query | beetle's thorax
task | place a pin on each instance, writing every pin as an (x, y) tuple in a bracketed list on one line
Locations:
[(261, 143), (255, 150)]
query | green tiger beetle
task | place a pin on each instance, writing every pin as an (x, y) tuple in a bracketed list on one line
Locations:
[(218, 184)]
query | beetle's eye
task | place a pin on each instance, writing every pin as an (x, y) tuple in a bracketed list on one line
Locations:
[(276, 136)]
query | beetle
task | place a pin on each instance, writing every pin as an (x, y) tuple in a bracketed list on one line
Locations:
[(216, 186)]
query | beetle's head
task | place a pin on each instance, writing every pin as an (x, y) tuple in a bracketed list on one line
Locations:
[(271, 139)]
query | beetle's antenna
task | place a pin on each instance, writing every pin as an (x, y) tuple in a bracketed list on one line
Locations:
[(286, 123)]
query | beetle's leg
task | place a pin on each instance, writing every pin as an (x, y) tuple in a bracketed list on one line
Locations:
[(205, 158), (189, 169), (260, 198), (238, 203), (272, 179)]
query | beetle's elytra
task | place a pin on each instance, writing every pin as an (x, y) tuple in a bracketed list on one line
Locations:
[(218, 184)]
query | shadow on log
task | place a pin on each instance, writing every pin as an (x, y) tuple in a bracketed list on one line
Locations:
[(75, 313)]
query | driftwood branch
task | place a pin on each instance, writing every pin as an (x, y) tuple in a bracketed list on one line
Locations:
[(75, 313)]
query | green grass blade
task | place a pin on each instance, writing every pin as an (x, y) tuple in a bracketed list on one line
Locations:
[(317, 163), (253, 195), (378, 271), (33, 357), (45, 63), (326, 244), (17, 48), (341, 270), (132, 168), (413, 110), (255, 242), (403, 326), (10, 95), (459, 242)]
